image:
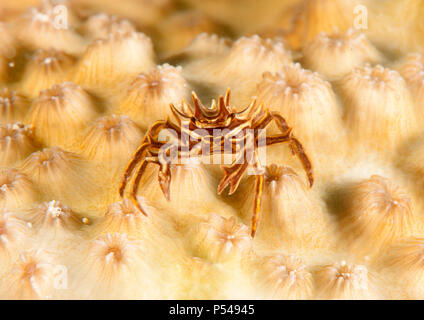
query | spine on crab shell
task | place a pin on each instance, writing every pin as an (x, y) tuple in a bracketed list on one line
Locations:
[(148, 97), (377, 213), (16, 143), (59, 112), (42, 28), (118, 57), (16, 190), (290, 214), (311, 17), (46, 68), (285, 277), (334, 55), (31, 277), (220, 239), (309, 106), (13, 106), (379, 111), (345, 281)]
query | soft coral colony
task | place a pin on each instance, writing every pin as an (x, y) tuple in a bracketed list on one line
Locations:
[(89, 211)]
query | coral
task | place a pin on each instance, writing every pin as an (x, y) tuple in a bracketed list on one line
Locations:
[(404, 262), (48, 27), (7, 51), (46, 68), (412, 69), (101, 25), (16, 190), (58, 112), (286, 277), (246, 61), (57, 173), (13, 106), (343, 281), (379, 111), (219, 238), (16, 143), (53, 216), (378, 213), (309, 105), (187, 24), (314, 16), (336, 54), (292, 216), (400, 21), (110, 60), (149, 95), (13, 233), (30, 277), (206, 44)]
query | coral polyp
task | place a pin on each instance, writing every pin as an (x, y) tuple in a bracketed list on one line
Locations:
[(46, 68), (13, 106), (149, 95), (58, 111), (16, 142), (343, 281), (286, 277)]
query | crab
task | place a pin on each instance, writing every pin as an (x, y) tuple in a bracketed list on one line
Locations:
[(201, 123)]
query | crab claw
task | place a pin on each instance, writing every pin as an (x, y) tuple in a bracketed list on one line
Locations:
[(232, 177), (164, 177)]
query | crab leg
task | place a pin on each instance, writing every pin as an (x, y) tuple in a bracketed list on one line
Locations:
[(136, 185), (295, 145), (164, 177), (259, 183), (148, 141), (138, 155)]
